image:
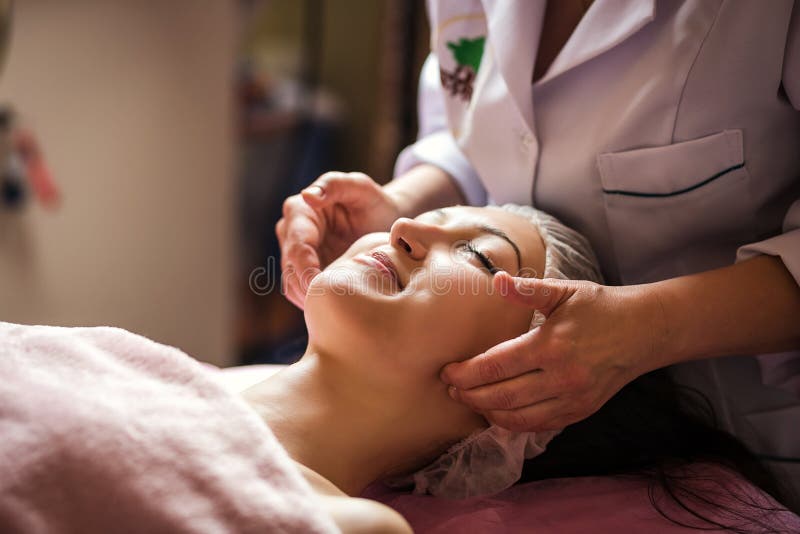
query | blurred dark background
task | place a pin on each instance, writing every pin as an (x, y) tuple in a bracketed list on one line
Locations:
[(322, 85)]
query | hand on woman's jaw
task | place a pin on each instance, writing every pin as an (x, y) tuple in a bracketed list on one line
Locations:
[(366, 401)]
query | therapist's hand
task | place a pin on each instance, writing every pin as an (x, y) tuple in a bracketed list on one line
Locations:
[(320, 223), (595, 340)]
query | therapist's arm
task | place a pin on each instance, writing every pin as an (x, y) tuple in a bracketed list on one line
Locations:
[(423, 188), (747, 308)]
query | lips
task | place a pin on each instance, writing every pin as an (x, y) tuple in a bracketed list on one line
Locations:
[(386, 262)]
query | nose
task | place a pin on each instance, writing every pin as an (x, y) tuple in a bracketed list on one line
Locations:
[(414, 237)]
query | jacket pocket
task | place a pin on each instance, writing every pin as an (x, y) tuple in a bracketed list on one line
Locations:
[(679, 208)]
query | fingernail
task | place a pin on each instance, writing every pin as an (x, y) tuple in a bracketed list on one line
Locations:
[(451, 390), (315, 191)]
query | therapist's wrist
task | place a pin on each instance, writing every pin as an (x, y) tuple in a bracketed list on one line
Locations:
[(402, 199), (750, 307), (423, 188), (656, 327), (681, 310)]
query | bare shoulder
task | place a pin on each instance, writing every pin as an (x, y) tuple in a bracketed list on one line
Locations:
[(364, 516), (354, 515)]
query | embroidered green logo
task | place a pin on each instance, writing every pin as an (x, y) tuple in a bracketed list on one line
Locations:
[(467, 54)]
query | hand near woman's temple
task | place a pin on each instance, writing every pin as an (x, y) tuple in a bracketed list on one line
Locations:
[(595, 340), (321, 222), (598, 338)]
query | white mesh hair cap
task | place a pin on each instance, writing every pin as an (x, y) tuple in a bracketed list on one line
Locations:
[(491, 460), (568, 254)]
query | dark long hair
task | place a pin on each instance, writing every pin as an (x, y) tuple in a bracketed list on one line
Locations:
[(657, 430)]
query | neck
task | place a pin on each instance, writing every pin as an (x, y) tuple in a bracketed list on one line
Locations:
[(346, 429)]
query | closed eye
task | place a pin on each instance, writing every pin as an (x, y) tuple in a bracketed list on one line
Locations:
[(483, 258), (442, 215)]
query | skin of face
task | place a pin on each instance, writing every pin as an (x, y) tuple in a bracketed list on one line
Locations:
[(444, 307)]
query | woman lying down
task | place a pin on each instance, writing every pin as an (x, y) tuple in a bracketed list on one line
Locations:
[(107, 428)]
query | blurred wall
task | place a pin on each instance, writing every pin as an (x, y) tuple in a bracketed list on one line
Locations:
[(132, 104)]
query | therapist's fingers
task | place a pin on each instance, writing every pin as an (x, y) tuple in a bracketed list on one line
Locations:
[(301, 225), (299, 235), (506, 360), (517, 392), (289, 282), (295, 281), (294, 287), (542, 416), (543, 294), (354, 189)]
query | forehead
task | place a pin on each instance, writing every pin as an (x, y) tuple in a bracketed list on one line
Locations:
[(518, 228)]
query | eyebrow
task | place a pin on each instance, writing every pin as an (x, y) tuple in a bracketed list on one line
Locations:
[(502, 235), (485, 228)]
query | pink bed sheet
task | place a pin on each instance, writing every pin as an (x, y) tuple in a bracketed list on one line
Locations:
[(572, 505)]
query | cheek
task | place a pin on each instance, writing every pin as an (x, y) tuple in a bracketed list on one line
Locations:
[(501, 321), (458, 325)]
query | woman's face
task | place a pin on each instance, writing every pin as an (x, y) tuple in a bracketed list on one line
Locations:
[(405, 303)]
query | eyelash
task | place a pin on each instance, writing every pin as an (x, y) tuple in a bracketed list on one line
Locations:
[(483, 258)]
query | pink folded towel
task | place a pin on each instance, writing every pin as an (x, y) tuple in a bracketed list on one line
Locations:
[(105, 431)]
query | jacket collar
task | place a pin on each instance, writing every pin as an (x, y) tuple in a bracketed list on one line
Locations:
[(514, 29), (606, 24)]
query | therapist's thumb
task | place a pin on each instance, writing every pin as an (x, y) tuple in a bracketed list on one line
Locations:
[(543, 294), (350, 188)]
